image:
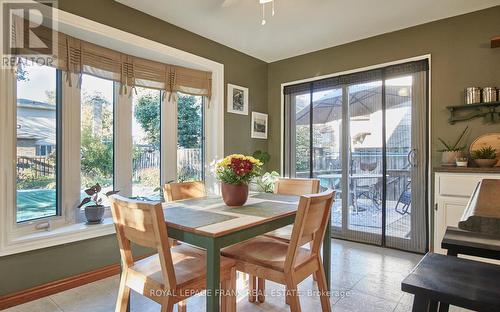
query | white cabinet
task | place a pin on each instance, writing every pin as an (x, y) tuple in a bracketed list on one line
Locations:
[(451, 195)]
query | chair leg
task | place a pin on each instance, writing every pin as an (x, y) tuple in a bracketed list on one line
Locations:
[(231, 292), (224, 285), (314, 275), (293, 295), (252, 288), (123, 295), (261, 286), (323, 288), (167, 305), (181, 306)]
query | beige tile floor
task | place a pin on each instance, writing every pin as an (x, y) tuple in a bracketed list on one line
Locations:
[(364, 279)]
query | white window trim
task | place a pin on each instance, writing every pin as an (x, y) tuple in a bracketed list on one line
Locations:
[(15, 238)]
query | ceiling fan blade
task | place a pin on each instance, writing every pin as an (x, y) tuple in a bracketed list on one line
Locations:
[(228, 3)]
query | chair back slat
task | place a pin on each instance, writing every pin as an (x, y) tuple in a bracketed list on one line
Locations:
[(143, 224), (296, 186), (310, 224), (184, 190)]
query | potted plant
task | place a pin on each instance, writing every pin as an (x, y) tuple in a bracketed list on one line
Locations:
[(95, 211), (235, 172), (485, 157), (453, 151), (265, 183)]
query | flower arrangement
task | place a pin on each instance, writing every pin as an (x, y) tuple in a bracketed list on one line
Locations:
[(238, 169)]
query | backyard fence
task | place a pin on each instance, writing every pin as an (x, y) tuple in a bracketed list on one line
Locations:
[(189, 162), (147, 159), (39, 166)]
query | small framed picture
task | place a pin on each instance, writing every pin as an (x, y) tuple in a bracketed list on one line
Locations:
[(237, 99), (259, 125)]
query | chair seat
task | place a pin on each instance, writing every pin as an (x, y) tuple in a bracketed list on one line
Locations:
[(265, 251), (189, 265), (283, 234)]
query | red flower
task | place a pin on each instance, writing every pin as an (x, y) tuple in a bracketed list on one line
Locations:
[(241, 167)]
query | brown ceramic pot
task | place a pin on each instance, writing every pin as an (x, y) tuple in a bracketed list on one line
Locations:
[(485, 163), (234, 195)]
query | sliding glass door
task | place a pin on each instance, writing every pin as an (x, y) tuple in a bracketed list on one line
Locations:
[(364, 135)]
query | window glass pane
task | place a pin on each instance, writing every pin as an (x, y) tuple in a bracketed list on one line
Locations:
[(96, 133), (36, 142), (302, 105), (146, 122), (189, 137), (365, 162), (327, 142)]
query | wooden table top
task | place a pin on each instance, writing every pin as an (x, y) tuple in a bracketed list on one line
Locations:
[(209, 216), (462, 282)]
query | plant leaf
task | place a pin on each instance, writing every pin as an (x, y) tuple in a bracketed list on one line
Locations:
[(98, 188), (447, 147), (90, 191), (85, 201), (112, 193), (460, 138)]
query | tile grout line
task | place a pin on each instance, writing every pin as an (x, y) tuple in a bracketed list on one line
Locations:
[(55, 303)]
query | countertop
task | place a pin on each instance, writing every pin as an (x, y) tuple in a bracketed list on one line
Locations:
[(467, 169)]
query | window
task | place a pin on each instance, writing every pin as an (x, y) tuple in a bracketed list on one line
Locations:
[(37, 138), (97, 148), (146, 137), (190, 137)]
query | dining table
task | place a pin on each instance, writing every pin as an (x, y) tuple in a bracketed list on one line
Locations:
[(209, 224)]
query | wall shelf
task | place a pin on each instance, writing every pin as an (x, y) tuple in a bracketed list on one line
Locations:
[(489, 111)]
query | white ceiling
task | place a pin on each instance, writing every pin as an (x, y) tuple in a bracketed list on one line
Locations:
[(299, 26)]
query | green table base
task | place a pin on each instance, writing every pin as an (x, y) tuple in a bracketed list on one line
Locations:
[(213, 245)]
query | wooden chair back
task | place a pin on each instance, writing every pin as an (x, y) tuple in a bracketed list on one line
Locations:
[(143, 224), (310, 224), (184, 190), (296, 186)]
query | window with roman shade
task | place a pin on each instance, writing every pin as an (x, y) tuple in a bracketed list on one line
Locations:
[(78, 56)]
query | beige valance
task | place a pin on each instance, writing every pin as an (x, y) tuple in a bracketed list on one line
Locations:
[(78, 56)]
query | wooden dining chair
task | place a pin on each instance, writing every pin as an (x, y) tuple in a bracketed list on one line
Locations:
[(297, 187), (173, 274), (184, 190), (285, 187), (289, 263)]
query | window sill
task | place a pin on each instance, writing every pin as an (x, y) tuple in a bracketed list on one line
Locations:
[(61, 235)]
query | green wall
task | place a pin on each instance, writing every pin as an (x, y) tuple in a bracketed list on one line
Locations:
[(41, 266), (461, 57)]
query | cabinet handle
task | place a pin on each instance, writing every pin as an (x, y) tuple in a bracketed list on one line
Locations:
[(436, 206)]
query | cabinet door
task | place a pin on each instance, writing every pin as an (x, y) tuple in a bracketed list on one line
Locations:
[(448, 213)]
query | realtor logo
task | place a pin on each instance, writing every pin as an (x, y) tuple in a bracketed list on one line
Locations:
[(29, 31)]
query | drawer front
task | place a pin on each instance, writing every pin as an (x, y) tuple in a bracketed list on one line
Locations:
[(461, 186)]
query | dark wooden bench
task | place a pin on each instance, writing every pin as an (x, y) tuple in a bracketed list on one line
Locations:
[(446, 280)]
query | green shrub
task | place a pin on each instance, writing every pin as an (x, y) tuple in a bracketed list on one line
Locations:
[(149, 177), (28, 180)]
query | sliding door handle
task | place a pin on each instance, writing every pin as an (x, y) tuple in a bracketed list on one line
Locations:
[(412, 156)]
